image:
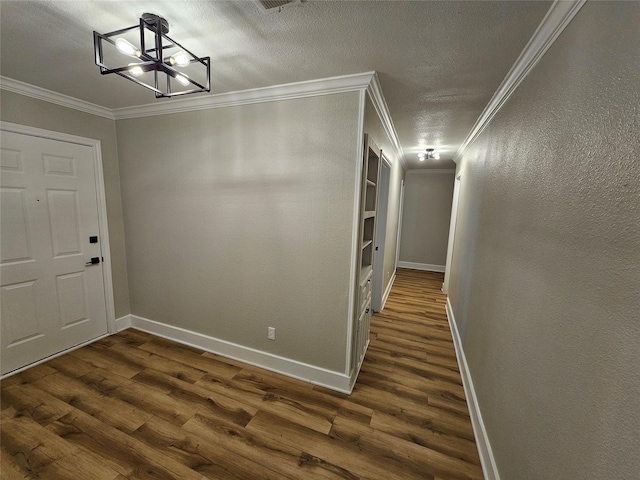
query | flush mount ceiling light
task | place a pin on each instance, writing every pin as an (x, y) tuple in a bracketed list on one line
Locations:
[(161, 64), (429, 153)]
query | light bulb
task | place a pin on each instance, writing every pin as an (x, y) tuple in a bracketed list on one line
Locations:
[(436, 156), (126, 47), (421, 159), (180, 59), (182, 79), (136, 69)]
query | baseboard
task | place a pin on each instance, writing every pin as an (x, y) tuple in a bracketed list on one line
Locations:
[(123, 323), (487, 460), (385, 296), (422, 266), (309, 373)]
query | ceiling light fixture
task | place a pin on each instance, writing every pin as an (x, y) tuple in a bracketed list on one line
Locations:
[(152, 36), (430, 153)]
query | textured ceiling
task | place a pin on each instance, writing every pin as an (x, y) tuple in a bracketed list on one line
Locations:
[(438, 63)]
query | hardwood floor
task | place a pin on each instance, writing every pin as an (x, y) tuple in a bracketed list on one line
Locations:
[(138, 406)]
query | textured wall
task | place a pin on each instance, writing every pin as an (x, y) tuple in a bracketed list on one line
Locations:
[(37, 113), (546, 271), (241, 218), (373, 127), (426, 217)]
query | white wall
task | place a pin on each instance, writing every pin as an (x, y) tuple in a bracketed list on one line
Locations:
[(545, 276), (426, 218), (241, 218)]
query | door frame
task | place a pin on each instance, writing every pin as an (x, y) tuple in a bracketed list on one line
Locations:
[(95, 145), (452, 230), (380, 236), (400, 213)]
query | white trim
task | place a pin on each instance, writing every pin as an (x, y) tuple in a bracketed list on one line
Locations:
[(285, 366), (123, 323), (55, 355), (400, 220), (422, 266), (380, 235), (489, 467), (102, 203), (355, 234), (385, 296), (15, 86), (354, 377), (554, 22), (431, 171), (452, 230), (311, 88), (380, 104)]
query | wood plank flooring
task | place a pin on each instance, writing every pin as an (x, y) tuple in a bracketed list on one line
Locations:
[(135, 406)]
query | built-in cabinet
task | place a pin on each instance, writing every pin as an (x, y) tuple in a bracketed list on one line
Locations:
[(367, 229)]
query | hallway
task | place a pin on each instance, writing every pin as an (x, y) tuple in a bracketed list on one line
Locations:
[(137, 406)]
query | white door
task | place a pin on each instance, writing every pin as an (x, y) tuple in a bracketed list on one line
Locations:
[(52, 296)]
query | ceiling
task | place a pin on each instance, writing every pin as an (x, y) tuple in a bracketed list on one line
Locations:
[(438, 63)]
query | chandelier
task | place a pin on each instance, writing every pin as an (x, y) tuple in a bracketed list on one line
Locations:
[(429, 153), (159, 63)]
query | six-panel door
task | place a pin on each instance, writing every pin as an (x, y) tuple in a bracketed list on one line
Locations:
[(50, 299)]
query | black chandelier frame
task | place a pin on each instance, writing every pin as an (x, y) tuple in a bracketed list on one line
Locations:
[(152, 59)]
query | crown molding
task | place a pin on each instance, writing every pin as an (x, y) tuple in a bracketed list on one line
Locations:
[(16, 86), (552, 25), (310, 88), (380, 104)]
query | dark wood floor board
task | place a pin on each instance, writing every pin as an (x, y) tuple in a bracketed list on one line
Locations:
[(300, 393), (199, 398), (30, 401), (211, 460), (102, 358), (147, 359), (451, 445), (289, 404), (412, 384), (426, 338), (285, 458), (418, 396), (191, 357), (143, 397), (390, 341), (137, 406), (111, 410), (71, 366), (336, 451), (122, 452), (29, 444), (10, 470), (420, 459), (30, 375)]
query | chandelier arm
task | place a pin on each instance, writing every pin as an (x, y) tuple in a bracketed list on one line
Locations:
[(135, 80), (107, 36), (194, 57)]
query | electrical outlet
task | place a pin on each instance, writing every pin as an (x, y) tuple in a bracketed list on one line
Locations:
[(271, 333)]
